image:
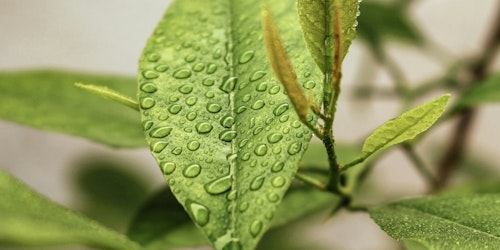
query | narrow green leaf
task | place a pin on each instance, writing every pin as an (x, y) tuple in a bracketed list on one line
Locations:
[(404, 127), (220, 126), (443, 222), (485, 92), (318, 19), (109, 94), (29, 219), (48, 99)]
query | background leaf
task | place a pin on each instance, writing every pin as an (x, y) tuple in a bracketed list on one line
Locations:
[(443, 222), (317, 18), (484, 92), (219, 125), (48, 99), (28, 219)]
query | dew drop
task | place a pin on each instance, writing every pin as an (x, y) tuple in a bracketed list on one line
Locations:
[(227, 136), (246, 97), (198, 212), (160, 132), (157, 147), (245, 156), (208, 81), (147, 103), (278, 181), (255, 228), (146, 125), (274, 90), (257, 75), (148, 88), (261, 149), (161, 68), (168, 167), (294, 148), (190, 58), (203, 128), (191, 116), (273, 197), (192, 171), (257, 130), (274, 137), (229, 84), (241, 109), (211, 68), (198, 67), (257, 183), (244, 206), (174, 109), (278, 166), (193, 145), (219, 186), (227, 121), (191, 100), (177, 151), (149, 74), (261, 87), (232, 195), (213, 107), (258, 104), (284, 118), (281, 109), (185, 89), (182, 73), (246, 57), (217, 54), (153, 57)]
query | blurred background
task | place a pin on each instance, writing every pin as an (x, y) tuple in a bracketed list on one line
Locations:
[(107, 36)]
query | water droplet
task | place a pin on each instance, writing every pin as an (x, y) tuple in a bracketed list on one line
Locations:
[(227, 121), (146, 125), (177, 151), (191, 100), (294, 148), (193, 145), (246, 57), (258, 104), (241, 109), (257, 183), (199, 67), (274, 90), (309, 85), (255, 228), (174, 99), (185, 89), (244, 206), (219, 186), (160, 132), (278, 166), (229, 84), (213, 107), (190, 58), (274, 137), (273, 197), (296, 124), (191, 116), (232, 195), (261, 87), (257, 130), (204, 127), (161, 68), (227, 136), (245, 156), (159, 146), (198, 212), (168, 167), (182, 73), (281, 109), (149, 74), (217, 53), (208, 81), (211, 68), (257, 75), (278, 181), (261, 149), (210, 94), (153, 57), (174, 109), (246, 97), (147, 103), (148, 87), (192, 171), (284, 118)]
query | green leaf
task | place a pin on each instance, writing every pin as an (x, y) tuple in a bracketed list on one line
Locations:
[(443, 222), (220, 126), (484, 92), (403, 128), (382, 20), (29, 219), (321, 21), (48, 99)]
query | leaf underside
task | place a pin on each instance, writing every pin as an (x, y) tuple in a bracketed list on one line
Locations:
[(220, 126), (443, 222), (29, 219)]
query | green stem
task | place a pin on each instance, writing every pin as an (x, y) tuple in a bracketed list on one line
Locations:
[(419, 164), (311, 181)]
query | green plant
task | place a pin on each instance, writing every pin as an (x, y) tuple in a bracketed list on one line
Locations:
[(229, 101)]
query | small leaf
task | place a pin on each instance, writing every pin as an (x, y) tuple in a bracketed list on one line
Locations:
[(29, 219), (485, 92), (443, 222), (404, 127), (319, 19), (218, 123), (47, 99)]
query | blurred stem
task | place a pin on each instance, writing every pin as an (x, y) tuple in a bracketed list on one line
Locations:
[(458, 140), (419, 164), (311, 181)]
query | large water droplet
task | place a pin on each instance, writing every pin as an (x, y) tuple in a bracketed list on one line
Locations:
[(229, 84), (227, 121), (208, 81), (198, 212), (148, 88), (146, 125), (274, 137), (159, 146), (258, 104), (278, 166), (273, 197), (186, 89), (246, 57), (294, 148), (261, 149), (257, 183), (213, 107), (168, 167), (219, 186), (227, 136), (191, 100), (160, 132), (174, 109), (257, 75), (278, 181), (147, 103), (281, 109), (182, 73), (193, 145), (153, 57), (261, 87), (203, 127), (177, 151), (149, 74), (191, 116), (192, 171), (255, 228), (211, 68), (199, 67)]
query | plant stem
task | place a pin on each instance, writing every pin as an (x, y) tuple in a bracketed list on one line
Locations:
[(458, 141), (311, 181), (419, 164)]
